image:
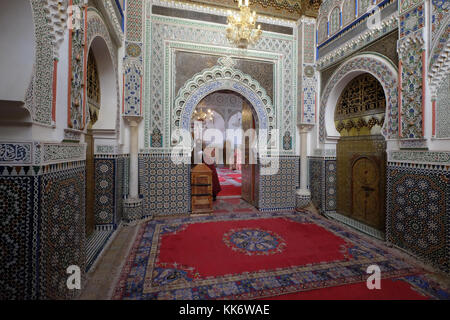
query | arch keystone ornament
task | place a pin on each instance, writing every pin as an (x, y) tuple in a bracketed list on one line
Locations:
[(378, 66), (220, 77)]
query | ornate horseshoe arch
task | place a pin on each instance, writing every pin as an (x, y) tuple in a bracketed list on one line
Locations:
[(378, 66), (221, 77), (96, 28)]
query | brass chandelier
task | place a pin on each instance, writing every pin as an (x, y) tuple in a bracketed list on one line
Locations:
[(202, 115), (241, 29)]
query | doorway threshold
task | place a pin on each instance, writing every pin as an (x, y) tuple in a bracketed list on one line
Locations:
[(228, 197), (357, 225)]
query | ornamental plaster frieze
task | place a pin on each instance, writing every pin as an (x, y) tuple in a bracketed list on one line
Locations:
[(111, 15), (347, 48), (110, 6), (57, 16), (218, 11), (324, 153), (40, 153), (415, 38), (134, 64), (420, 157)]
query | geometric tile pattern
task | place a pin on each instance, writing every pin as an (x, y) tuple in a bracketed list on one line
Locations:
[(43, 230), (316, 181), (165, 186), (322, 183), (277, 191), (134, 12), (61, 231), (104, 207), (17, 239), (330, 185), (418, 211), (111, 186)]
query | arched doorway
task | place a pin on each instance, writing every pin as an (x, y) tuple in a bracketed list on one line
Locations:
[(93, 100), (232, 115), (102, 108), (361, 151)]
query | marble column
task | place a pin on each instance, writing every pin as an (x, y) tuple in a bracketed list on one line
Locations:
[(133, 203), (303, 195)]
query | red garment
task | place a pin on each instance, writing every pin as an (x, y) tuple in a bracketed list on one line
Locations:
[(215, 179)]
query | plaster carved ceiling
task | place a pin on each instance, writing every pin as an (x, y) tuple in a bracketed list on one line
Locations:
[(285, 9)]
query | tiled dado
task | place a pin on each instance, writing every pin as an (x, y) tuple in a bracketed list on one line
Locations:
[(322, 182), (111, 185), (418, 209), (43, 229), (277, 191), (164, 185)]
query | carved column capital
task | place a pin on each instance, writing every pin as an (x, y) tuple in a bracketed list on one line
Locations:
[(133, 121), (304, 127)]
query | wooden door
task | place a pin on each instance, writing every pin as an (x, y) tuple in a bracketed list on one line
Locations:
[(366, 192), (248, 169), (90, 184)]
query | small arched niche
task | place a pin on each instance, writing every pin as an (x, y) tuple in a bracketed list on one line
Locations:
[(107, 96), (361, 152), (360, 110)]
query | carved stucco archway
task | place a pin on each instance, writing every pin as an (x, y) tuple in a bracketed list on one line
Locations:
[(221, 77), (96, 28), (378, 66)]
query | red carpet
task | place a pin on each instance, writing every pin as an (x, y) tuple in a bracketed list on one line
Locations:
[(283, 255), (206, 247), (390, 290), (230, 182)]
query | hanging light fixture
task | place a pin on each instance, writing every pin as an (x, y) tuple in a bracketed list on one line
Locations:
[(241, 29), (202, 115)]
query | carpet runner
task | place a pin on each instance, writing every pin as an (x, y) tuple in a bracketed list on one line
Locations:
[(289, 255), (230, 182)]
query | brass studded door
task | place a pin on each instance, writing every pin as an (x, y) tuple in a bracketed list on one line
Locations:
[(366, 191), (361, 151), (248, 169), (361, 171)]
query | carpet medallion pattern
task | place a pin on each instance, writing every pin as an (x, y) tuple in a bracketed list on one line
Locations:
[(253, 256), (254, 241)]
